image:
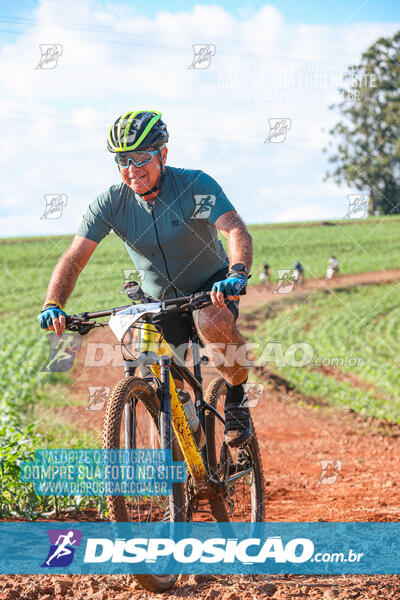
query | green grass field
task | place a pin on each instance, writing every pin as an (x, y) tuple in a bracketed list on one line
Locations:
[(26, 265), (369, 245), (359, 246), (346, 331)]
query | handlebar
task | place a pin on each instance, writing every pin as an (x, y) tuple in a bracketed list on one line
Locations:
[(83, 322)]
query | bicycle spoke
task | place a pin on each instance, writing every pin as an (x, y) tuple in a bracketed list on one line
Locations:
[(238, 469), (139, 431)]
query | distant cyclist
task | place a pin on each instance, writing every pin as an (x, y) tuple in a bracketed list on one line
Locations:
[(298, 272), (264, 274), (332, 267), (168, 219)]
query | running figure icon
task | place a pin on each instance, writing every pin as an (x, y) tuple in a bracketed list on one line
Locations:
[(62, 549), (63, 543)]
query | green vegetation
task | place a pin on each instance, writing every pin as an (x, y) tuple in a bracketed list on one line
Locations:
[(20, 361), (363, 246), (25, 393), (355, 346), (366, 138), (359, 246)]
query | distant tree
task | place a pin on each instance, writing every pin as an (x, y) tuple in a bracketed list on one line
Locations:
[(368, 150)]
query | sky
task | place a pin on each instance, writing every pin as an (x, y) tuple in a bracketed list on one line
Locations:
[(270, 65)]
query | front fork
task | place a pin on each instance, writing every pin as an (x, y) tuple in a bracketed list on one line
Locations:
[(195, 460), (165, 402)]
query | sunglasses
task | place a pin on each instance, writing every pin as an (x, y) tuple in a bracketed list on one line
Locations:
[(138, 159)]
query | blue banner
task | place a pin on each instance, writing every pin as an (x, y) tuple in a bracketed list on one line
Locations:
[(219, 548)]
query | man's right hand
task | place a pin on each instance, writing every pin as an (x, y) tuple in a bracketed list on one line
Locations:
[(53, 318)]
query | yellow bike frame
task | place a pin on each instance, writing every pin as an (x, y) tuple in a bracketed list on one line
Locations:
[(151, 342)]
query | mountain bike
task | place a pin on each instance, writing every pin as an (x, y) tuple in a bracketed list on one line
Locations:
[(144, 411)]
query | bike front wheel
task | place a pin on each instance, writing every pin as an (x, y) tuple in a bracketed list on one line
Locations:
[(240, 469), (131, 422)]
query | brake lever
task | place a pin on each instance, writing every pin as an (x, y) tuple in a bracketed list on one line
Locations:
[(78, 326)]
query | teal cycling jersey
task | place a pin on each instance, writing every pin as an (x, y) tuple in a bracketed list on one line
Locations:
[(174, 242)]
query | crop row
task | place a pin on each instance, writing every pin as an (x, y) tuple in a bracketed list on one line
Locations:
[(352, 331)]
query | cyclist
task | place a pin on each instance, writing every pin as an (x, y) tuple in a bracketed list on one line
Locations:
[(168, 219), (332, 267), (298, 272), (264, 274)]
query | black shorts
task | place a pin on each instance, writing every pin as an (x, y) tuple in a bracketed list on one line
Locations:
[(178, 329)]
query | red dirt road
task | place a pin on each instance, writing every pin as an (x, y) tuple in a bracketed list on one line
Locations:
[(294, 435)]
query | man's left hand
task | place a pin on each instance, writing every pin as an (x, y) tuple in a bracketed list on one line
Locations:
[(228, 289)]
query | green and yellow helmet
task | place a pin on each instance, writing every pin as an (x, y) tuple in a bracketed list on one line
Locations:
[(138, 130)]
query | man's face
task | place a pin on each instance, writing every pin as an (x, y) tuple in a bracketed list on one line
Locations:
[(142, 179)]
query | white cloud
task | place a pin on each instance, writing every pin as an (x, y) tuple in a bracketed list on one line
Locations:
[(54, 122)]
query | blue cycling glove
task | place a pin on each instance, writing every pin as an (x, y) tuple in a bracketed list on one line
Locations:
[(47, 315), (232, 285)]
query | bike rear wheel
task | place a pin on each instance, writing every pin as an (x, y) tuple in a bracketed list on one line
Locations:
[(244, 500), (131, 422)]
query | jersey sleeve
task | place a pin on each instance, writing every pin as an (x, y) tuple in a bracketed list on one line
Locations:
[(209, 200), (97, 220)]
